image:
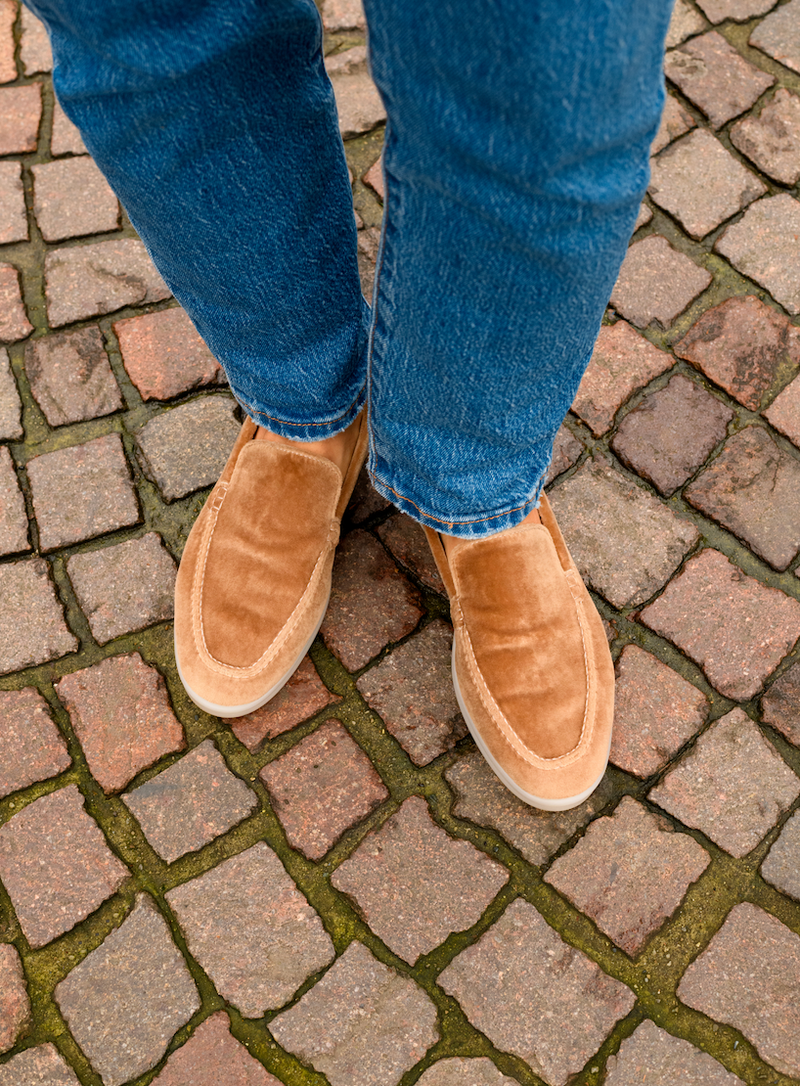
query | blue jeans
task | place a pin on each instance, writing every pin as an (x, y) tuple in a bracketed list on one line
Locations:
[(516, 157)]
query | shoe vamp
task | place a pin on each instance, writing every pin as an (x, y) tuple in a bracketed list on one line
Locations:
[(272, 528), (526, 636)]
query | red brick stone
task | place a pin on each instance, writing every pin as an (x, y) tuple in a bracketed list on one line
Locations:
[(14, 324), (368, 243), (458, 1071), (629, 901), (772, 139), (670, 434), (782, 865), (737, 10), (10, 403), (362, 1024), (56, 865), (732, 785), (746, 977), (40, 1066), (213, 1057), (358, 103), (415, 885), (343, 15), (734, 627), (701, 183), (780, 705), (365, 501), (675, 121), (66, 139), (374, 178), (685, 21), (20, 113), (32, 627), (321, 788), (371, 604), (89, 280), (125, 587), (744, 346), (70, 376), (406, 540), (412, 691), (779, 35), (31, 746), (34, 44), (652, 1055), (13, 518), (303, 696), (190, 803), (763, 246), (126, 999), (622, 361), (643, 216), (752, 488), (566, 451), (631, 544), (164, 354), (655, 712), (15, 1007), (482, 798), (521, 984), (8, 15), (13, 216), (715, 78), (72, 198), (784, 412), (122, 718), (656, 282), (82, 491), (251, 930)]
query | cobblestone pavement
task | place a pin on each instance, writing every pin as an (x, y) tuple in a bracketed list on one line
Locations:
[(336, 889)]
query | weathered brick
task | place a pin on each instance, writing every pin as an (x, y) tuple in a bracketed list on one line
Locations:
[(121, 716), (763, 246), (737, 10), (72, 198), (744, 346), (742, 978), (70, 376), (15, 1007), (371, 603), (734, 627), (566, 451), (13, 217), (190, 803), (412, 691), (89, 280), (784, 412), (374, 178), (302, 696), (670, 434), (187, 447), (20, 114), (415, 885), (31, 746), (751, 488), (14, 323), (782, 865), (343, 15), (213, 1057), (251, 930), (482, 798), (357, 100), (406, 540), (655, 712), (622, 361), (520, 983), (321, 788), (82, 491), (656, 282), (629, 901), (368, 242), (165, 355), (772, 139), (643, 216), (13, 518), (8, 15), (458, 1071), (10, 403), (732, 785), (780, 706), (652, 1055), (125, 587), (701, 183), (66, 139), (34, 44), (362, 1024), (779, 35), (40, 1066), (675, 121), (32, 627), (630, 545), (125, 1000), (685, 21), (56, 865), (365, 501), (715, 77)]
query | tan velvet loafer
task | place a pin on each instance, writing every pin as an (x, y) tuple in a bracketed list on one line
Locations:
[(531, 665), (255, 577)]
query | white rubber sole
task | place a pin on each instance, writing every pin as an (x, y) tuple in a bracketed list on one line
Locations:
[(226, 711), (526, 797)]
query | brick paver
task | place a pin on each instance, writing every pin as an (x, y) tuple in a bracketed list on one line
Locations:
[(782, 865), (784, 412), (780, 706), (31, 747), (40, 1066), (13, 518), (685, 21), (675, 120), (738, 10), (357, 101), (762, 245), (779, 35), (10, 403), (303, 695), (34, 45), (772, 139), (72, 199), (32, 626), (15, 1006), (457, 1071), (66, 139), (13, 217), (164, 354), (365, 501), (651, 1055), (213, 1057), (70, 376), (406, 541), (14, 324), (8, 13), (566, 451), (715, 77), (343, 15), (20, 113), (656, 282)]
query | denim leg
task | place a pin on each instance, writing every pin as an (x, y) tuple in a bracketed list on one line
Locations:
[(215, 124), (515, 160)]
